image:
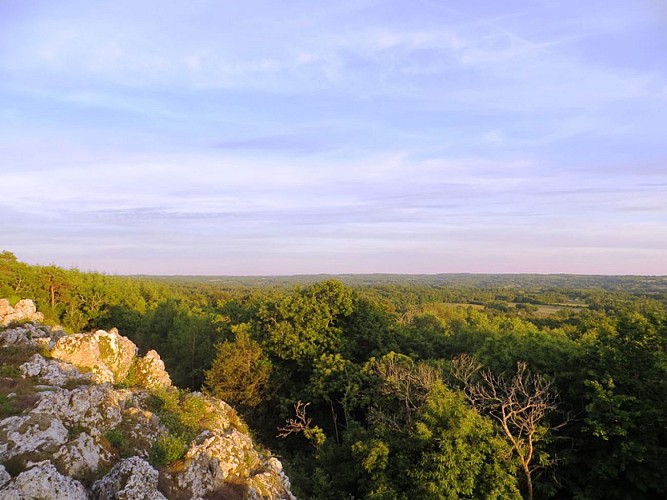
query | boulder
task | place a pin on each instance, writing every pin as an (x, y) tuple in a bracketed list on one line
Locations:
[(92, 407), (24, 310), (142, 428), (130, 479), (5, 309), (4, 476), (82, 455), (51, 371), (32, 433), (107, 355), (18, 336), (214, 461), (149, 372), (43, 481), (213, 458)]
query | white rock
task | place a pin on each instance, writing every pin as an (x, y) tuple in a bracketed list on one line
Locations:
[(142, 428), (31, 433), (51, 371), (4, 476), (214, 457), (150, 372), (24, 310), (81, 455), (5, 308), (107, 355), (43, 481), (95, 406), (16, 336), (10, 492), (130, 479)]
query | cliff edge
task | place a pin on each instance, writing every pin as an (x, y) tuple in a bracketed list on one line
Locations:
[(83, 417)]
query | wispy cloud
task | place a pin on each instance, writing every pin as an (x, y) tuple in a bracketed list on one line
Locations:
[(356, 136)]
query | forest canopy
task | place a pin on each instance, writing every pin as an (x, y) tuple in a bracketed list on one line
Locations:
[(444, 386)]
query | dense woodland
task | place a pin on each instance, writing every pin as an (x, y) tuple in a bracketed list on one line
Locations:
[(450, 386)]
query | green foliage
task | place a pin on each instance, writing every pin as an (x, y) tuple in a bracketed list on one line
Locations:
[(304, 325), (182, 413), (240, 372), (117, 439), (459, 452), (368, 356), (167, 449), (7, 407)]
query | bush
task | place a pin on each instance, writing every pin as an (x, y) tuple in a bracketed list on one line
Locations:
[(117, 439), (167, 449), (7, 407)]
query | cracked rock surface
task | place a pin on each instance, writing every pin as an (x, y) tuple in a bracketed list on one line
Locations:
[(87, 426)]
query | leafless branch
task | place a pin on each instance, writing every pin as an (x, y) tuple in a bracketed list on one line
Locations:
[(296, 425), (519, 404)]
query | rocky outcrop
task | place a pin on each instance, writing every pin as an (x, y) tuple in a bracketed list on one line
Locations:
[(129, 479), (98, 414), (216, 460), (107, 355), (43, 481), (24, 310), (28, 334), (26, 436), (149, 372), (52, 371)]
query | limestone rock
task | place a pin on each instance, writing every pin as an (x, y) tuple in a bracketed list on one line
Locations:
[(43, 481), (28, 334), (4, 476), (130, 479), (142, 428), (51, 371), (33, 433), (24, 310), (65, 435), (107, 355), (18, 336), (149, 372), (93, 407), (5, 308), (81, 455), (216, 459)]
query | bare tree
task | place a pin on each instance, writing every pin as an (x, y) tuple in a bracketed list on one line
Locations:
[(405, 381), (519, 404), (302, 425)]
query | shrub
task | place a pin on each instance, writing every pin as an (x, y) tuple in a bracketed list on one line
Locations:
[(7, 408), (116, 438), (167, 449)]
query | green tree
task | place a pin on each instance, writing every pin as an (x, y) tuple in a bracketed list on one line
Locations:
[(240, 371), (519, 405), (305, 324), (459, 454)]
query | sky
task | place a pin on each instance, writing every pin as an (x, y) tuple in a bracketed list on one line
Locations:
[(298, 137)]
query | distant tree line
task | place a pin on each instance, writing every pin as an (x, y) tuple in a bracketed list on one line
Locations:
[(409, 390)]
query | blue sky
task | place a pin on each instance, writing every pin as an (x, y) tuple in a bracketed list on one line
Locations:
[(242, 138)]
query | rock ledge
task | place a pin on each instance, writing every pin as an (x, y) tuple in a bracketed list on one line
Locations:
[(90, 428)]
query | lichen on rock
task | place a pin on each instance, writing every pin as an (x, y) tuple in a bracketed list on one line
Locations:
[(107, 355), (82, 456), (149, 372), (34, 433), (132, 478), (51, 371), (24, 310), (97, 405), (43, 481)]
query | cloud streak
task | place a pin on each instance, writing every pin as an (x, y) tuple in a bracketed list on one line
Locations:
[(356, 137)]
